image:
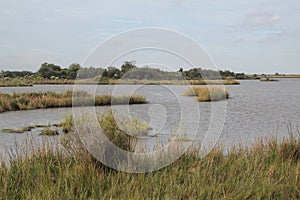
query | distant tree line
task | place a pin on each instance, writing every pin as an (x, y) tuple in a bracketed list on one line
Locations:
[(15, 74), (128, 70), (51, 71)]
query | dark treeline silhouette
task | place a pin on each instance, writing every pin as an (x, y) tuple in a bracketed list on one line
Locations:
[(128, 70)]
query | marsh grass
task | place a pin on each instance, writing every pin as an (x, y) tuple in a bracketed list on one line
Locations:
[(267, 170), (49, 131), (172, 82), (52, 82), (15, 82), (20, 130), (29, 128), (18, 82), (269, 80), (207, 93), (39, 100), (215, 82), (121, 131)]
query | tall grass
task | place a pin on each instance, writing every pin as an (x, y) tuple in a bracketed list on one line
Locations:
[(120, 130), (268, 170), (207, 93), (37, 100)]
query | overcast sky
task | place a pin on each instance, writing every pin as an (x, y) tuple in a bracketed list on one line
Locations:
[(257, 36)]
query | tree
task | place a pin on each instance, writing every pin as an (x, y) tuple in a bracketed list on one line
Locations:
[(105, 74), (73, 70), (113, 72), (127, 66), (48, 70)]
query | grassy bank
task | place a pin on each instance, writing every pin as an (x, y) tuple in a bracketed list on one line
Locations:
[(281, 76), (18, 82), (39, 100), (268, 170), (158, 82), (15, 82), (52, 82), (214, 82), (207, 93)]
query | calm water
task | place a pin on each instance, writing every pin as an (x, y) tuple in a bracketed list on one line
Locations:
[(256, 109)]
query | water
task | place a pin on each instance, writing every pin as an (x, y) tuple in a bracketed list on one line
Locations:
[(255, 109)]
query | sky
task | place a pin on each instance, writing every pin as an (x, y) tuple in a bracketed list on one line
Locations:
[(258, 36)]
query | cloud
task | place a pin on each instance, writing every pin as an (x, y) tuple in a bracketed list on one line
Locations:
[(127, 21), (65, 31), (260, 18)]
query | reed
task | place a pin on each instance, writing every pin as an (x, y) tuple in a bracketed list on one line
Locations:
[(207, 93), (39, 100)]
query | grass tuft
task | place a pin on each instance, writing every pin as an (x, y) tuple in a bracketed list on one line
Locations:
[(207, 93), (49, 132)]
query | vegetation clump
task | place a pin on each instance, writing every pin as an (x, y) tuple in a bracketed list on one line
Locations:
[(269, 80), (49, 132), (207, 93), (20, 130), (121, 131)]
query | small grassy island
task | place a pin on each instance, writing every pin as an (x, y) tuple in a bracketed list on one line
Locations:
[(207, 93), (40, 100), (269, 80)]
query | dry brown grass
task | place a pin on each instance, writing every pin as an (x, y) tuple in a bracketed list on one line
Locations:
[(207, 93), (38, 100)]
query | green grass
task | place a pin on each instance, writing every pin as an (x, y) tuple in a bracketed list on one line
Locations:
[(268, 170), (207, 93), (38, 100)]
